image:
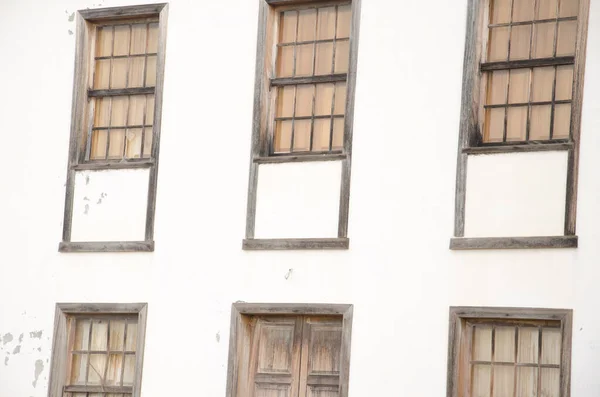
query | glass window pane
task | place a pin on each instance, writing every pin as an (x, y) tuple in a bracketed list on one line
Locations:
[(522, 10), (520, 40), (562, 124), (138, 38), (307, 22), (497, 87), (133, 142), (338, 134), (304, 100), (122, 40), (78, 369), (519, 86), (149, 109), (343, 22), (102, 74), (494, 129), (568, 8), (567, 33), (342, 56), (82, 334), (102, 112), (543, 42), (500, 11), (119, 107), (118, 78), (104, 42), (99, 334), (113, 372), (285, 61), (550, 382), (543, 79), (136, 71), (324, 58), (129, 371), (564, 82), (98, 149), (116, 144), (504, 381), (151, 71), (304, 60), (96, 370), (285, 101), (482, 338), (152, 38), (117, 335), (287, 26), (283, 136), (324, 99), (546, 9), (340, 98), (504, 344), (528, 336), (321, 135), (302, 135), (481, 382), (326, 23), (147, 142), (131, 342), (498, 45), (539, 130), (137, 105), (527, 382), (516, 126), (551, 344)]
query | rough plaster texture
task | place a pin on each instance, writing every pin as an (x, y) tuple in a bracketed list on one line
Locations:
[(398, 273)]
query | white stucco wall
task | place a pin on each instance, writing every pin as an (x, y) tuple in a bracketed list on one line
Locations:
[(398, 273), (298, 200), (516, 194), (110, 205)]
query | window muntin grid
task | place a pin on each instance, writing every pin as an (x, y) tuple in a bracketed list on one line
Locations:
[(310, 84), (529, 39), (122, 90)]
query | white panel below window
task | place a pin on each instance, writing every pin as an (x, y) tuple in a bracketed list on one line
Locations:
[(516, 194), (298, 200), (110, 205)]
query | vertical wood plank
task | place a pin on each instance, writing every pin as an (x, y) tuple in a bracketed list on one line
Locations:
[(139, 353)]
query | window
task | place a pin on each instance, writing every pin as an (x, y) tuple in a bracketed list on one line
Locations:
[(508, 352), (98, 348), (117, 101), (522, 92), (274, 350), (304, 100)]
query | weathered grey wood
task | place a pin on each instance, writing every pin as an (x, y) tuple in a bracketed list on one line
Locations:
[(122, 91), (468, 114), (476, 243), (98, 389), (315, 309), (139, 355), (296, 244), (344, 209), (158, 99), (309, 80), (300, 158), (113, 166), (100, 308), (527, 63), (137, 11), (458, 355), (58, 363), (529, 147), (106, 246), (578, 80)]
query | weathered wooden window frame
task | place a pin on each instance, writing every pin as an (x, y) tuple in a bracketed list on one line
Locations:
[(459, 316), (260, 153), (58, 363), (238, 310), (470, 142), (78, 137)]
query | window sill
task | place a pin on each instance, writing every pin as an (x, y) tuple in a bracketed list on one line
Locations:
[(113, 166), (106, 246), (483, 243), (339, 243), (300, 158), (541, 147)]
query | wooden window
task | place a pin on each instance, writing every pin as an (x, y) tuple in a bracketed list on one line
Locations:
[(509, 352), (276, 353), (98, 350), (527, 70), (117, 103)]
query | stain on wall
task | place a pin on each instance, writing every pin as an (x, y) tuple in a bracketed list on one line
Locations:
[(7, 338), (39, 367), (36, 334)]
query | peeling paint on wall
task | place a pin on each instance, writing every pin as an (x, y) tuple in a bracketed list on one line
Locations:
[(288, 274), (71, 17), (39, 367), (21, 338), (17, 349), (6, 361), (218, 336), (36, 334), (7, 338)]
